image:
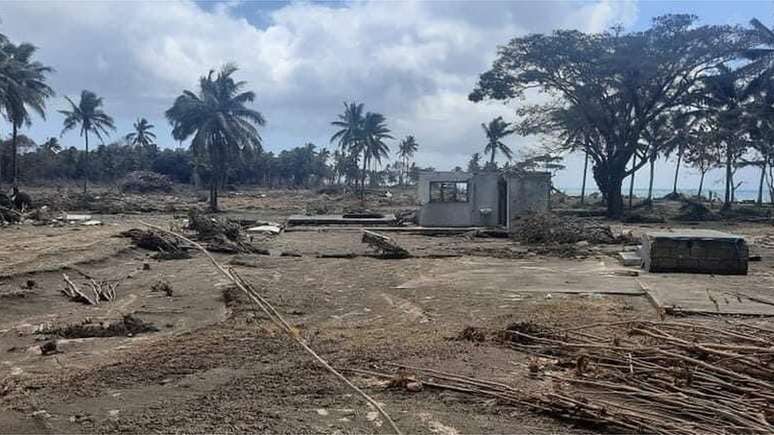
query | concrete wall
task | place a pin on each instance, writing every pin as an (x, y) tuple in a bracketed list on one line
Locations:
[(482, 193), (528, 192)]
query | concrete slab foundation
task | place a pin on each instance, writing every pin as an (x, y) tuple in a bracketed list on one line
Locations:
[(694, 251)]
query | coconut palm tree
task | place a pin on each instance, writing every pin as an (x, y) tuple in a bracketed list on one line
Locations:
[(142, 134), (495, 131), (51, 146), (217, 121), (350, 134), (87, 114), (24, 91), (406, 150), (374, 133)]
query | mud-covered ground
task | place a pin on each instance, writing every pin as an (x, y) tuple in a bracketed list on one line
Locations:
[(217, 364)]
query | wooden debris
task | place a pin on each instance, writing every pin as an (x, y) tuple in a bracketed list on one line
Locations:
[(664, 377), (280, 321), (104, 290), (388, 247)]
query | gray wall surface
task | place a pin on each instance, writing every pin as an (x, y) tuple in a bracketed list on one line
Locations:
[(525, 193)]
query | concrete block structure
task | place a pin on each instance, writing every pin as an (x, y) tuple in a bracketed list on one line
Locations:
[(694, 251), (463, 199)]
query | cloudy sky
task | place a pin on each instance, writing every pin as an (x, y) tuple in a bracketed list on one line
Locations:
[(413, 61)]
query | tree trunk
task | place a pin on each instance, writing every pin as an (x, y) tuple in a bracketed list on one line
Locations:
[(363, 177), (631, 180), (86, 164), (610, 181), (14, 151), (650, 183), (701, 183), (585, 171), (214, 194), (760, 184), (196, 178), (727, 199), (491, 160), (677, 169)]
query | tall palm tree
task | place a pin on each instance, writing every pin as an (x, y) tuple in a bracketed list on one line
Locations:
[(495, 131), (218, 122), (350, 134), (374, 133), (142, 134), (406, 150), (87, 114), (24, 91)]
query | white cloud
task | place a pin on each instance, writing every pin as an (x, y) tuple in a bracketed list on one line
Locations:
[(414, 61)]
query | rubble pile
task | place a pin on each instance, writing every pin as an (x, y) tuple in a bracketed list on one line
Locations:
[(548, 228)]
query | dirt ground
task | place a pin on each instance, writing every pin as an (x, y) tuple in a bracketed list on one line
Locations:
[(217, 364)]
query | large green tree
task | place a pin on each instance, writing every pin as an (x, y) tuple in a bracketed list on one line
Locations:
[(89, 116), (618, 84), (24, 91), (218, 121)]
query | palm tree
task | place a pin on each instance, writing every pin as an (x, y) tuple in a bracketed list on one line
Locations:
[(24, 91), (350, 133), (496, 130), (51, 146), (217, 121), (87, 114), (374, 133), (406, 150), (142, 134)]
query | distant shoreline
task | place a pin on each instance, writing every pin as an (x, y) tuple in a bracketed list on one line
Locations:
[(741, 194)]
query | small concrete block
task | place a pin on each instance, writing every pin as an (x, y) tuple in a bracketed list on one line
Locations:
[(629, 258)]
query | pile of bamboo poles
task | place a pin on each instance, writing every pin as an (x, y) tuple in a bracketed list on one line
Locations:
[(656, 377)]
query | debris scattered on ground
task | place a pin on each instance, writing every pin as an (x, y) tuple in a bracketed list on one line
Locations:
[(98, 291), (49, 348), (548, 228), (168, 248), (318, 206), (643, 216), (162, 286), (272, 229), (407, 216), (639, 376), (695, 211), (145, 181), (127, 326), (220, 235), (387, 247)]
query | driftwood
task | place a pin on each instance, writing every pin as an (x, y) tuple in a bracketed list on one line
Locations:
[(388, 247), (100, 291), (280, 321), (634, 376)]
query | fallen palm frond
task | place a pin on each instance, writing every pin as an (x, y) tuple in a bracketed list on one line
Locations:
[(278, 320), (655, 377)]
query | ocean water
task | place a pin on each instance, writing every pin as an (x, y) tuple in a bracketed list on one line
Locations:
[(741, 194)]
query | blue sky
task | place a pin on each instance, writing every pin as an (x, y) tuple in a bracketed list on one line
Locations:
[(413, 61)]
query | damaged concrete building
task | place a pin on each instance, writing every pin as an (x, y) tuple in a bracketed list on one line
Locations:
[(463, 199)]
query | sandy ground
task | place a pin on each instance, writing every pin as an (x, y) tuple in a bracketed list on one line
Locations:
[(216, 364)]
